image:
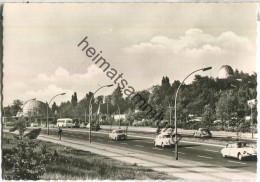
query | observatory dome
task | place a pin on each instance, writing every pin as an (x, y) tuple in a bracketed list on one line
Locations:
[(34, 108), (225, 71)]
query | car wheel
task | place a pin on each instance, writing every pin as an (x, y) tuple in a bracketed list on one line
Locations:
[(154, 144), (200, 136), (194, 135), (224, 156), (162, 145), (240, 157)]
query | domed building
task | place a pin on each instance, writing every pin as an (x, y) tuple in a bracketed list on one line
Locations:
[(35, 112), (225, 71), (34, 108)]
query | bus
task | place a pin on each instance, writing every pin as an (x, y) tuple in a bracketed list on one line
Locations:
[(65, 122)]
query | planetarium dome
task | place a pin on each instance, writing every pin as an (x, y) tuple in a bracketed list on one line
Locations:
[(34, 108), (225, 71)]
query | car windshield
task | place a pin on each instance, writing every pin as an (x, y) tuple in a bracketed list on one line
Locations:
[(205, 132), (241, 145), (119, 131), (167, 136)]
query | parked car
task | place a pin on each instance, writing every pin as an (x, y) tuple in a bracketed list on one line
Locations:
[(34, 124), (239, 150), (83, 125), (166, 140), (9, 124), (202, 133), (118, 135)]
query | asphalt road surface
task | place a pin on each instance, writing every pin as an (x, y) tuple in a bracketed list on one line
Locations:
[(190, 151)]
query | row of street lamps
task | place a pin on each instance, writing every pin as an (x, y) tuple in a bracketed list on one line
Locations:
[(90, 108)]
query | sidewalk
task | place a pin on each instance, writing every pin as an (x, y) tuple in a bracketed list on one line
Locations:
[(183, 169)]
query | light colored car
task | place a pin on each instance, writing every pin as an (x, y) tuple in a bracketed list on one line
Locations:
[(165, 140), (239, 150), (202, 133), (83, 125), (118, 135), (34, 124)]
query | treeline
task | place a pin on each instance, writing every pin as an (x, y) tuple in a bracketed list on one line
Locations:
[(206, 99)]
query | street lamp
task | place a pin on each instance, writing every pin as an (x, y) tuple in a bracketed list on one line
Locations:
[(176, 143), (48, 109), (90, 109)]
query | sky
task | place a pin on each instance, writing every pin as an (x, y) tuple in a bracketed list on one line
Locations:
[(144, 41)]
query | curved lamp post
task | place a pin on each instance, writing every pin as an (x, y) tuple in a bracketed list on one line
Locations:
[(48, 109), (90, 109), (176, 143)]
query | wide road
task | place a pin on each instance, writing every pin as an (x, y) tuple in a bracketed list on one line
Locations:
[(187, 150)]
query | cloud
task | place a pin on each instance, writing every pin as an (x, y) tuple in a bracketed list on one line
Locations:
[(44, 86), (49, 92), (193, 40), (178, 56)]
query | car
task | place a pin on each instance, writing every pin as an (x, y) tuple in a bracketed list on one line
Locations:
[(164, 140), (202, 133), (83, 125), (239, 150), (9, 124), (118, 135), (34, 124)]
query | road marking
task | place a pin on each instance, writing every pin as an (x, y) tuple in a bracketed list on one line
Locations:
[(189, 147), (139, 146), (179, 152), (150, 142), (124, 143), (157, 149), (212, 150), (237, 162), (204, 157), (100, 139)]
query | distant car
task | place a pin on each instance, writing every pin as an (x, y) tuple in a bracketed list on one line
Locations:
[(202, 133), (239, 150), (118, 135), (34, 125), (83, 125), (9, 124), (88, 125), (166, 140)]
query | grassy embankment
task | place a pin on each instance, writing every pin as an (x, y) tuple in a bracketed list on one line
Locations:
[(72, 164)]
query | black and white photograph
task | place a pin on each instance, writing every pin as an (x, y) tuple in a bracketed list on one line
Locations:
[(129, 91)]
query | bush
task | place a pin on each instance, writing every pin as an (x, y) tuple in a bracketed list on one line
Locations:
[(23, 163), (33, 134)]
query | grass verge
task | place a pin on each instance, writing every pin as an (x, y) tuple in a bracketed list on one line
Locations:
[(72, 164)]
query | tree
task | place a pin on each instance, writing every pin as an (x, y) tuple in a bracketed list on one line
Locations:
[(16, 106), (117, 98), (100, 99), (54, 107), (74, 99)]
